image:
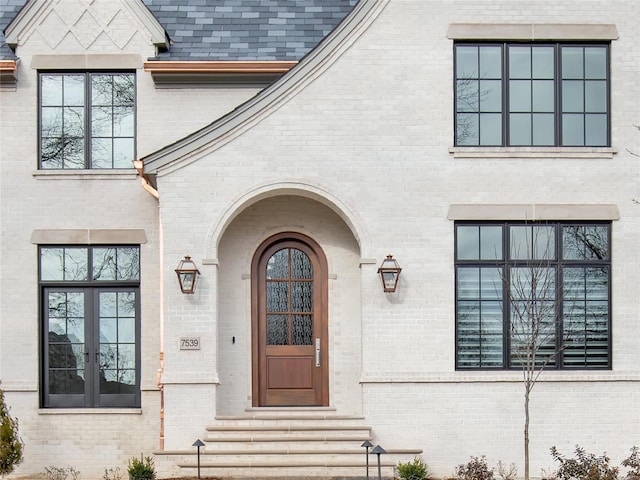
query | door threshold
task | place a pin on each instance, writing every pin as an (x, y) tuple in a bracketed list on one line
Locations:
[(289, 409)]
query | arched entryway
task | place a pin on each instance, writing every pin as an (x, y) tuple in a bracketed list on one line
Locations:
[(289, 322)]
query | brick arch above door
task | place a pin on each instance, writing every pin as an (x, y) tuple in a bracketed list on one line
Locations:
[(267, 190)]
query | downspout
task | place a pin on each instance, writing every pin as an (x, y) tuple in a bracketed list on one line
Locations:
[(139, 166)]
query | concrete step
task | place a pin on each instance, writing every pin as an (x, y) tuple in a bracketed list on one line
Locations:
[(240, 466), (316, 444)]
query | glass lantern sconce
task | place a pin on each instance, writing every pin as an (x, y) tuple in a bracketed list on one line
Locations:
[(389, 272), (187, 275)]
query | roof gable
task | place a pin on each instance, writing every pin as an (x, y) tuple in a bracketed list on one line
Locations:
[(86, 21), (228, 127)]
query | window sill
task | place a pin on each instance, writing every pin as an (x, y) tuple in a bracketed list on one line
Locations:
[(120, 174), (532, 152), (90, 411), (503, 376)]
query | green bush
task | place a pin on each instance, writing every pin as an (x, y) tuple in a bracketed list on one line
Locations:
[(142, 469), (414, 470), (585, 466), (10, 443), (474, 469)]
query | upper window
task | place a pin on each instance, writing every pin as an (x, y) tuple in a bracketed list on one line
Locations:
[(533, 292), (90, 326), (532, 94), (87, 120)]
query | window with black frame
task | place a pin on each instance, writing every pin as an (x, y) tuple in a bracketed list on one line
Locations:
[(87, 120), (90, 326), (532, 288), (532, 94)]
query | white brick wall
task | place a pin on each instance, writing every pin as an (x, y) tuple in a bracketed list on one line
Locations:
[(367, 146), (374, 132)]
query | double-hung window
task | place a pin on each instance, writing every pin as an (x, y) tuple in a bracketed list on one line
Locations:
[(87, 120), (532, 94), (533, 292), (90, 326)]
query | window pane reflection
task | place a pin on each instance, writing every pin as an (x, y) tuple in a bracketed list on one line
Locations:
[(75, 134), (66, 345), (535, 84), (117, 340), (566, 293)]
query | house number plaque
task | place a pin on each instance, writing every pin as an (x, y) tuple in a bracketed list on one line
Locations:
[(189, 343)]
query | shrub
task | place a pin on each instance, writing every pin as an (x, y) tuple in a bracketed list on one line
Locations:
[(586, 466), (414, 470), (112, 474), (10, 443), (632, 462), (474, 469), (142, 469), (60, 473), (507, 473)]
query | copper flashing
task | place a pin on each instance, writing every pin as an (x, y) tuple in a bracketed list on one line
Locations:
[(8, 73), (218, 67), (139, 166), (8, 66)]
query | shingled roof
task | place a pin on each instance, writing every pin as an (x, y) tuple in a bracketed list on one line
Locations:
[(246, 29), (225, 30), (8, 10)]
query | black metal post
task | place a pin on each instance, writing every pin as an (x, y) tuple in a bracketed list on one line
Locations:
[(378, 450), (198, 443), (367, 444)]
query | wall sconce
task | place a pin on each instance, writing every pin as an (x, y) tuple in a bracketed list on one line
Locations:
[(389, 272), (187, 274)]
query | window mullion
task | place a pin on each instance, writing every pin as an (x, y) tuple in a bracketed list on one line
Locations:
[(88, 137), (505, 95), (89, 348)]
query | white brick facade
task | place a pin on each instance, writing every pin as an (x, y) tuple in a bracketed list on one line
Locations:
[(360, 160)]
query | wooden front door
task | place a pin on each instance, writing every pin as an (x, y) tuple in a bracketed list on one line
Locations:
[(289, 322)]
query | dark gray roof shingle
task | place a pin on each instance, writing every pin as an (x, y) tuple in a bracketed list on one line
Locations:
[(8, 10), (246, 29), (230, 29)]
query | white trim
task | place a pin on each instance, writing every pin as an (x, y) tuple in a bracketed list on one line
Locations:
[(509, 376), (532, 31), (90, 411), (86, 61), (86, 174), (533, 152), (533, 212), (89, 236)]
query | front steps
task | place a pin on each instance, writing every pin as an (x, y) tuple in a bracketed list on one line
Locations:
[(285, 443)]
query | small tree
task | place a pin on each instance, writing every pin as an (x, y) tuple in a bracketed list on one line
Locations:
[(540, 308), (10, 443)]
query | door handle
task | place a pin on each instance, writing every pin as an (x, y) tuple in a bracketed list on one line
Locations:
[(317, 352)]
